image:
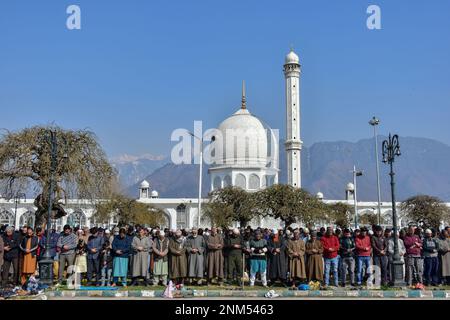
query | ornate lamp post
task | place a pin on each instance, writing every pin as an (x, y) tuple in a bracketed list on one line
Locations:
[(391, 149), (46, 263)]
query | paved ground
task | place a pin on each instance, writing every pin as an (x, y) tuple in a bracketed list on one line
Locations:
[(226, 298)]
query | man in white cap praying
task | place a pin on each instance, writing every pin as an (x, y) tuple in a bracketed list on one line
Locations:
[(195, 247), (234, 244), (430, 259)]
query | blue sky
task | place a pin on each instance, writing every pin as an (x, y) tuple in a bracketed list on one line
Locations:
[(137, 70)]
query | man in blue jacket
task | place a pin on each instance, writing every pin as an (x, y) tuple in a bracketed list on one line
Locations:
[(95, 244), (121, 248)]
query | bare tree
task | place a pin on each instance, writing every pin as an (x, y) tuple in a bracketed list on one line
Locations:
[(82, 169)]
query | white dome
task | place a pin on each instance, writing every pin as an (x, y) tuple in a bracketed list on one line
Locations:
[(291, 57), (155, 194), (249, 136), (319, 195), (350, 187), (145, 184)]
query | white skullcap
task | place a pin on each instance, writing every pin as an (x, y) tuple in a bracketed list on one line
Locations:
[(305, 230), (236, 231), (428, 231)]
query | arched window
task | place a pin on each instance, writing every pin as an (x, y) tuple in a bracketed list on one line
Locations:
[(253, 182), (387, 217), (93, 222), (240, 181), (217, 183), (114, 220), (57, 224), (77, 219), (6, 217), (269, 180), (181, 216), (27, 219), (227, 181)]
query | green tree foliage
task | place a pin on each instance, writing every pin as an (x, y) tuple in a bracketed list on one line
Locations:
[(128, 211), (83, 170), (230, 204), (368, 219), (291, 205), (426, 210), (340, 214)]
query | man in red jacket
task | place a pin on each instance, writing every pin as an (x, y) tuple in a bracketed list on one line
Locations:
[(330, 255), (363, 253)]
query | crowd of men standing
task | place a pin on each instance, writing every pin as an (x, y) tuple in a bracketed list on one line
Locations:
[(133, 254)]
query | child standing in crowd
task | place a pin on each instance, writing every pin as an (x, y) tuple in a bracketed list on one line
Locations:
[(80, 260), (106, 264)]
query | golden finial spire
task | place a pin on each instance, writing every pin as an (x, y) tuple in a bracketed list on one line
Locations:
[(243, 104)]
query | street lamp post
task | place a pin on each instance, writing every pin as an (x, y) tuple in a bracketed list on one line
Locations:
[(200, 176), (46, 263), (374, 122), (391, 149), (355, 174), (17, 197)]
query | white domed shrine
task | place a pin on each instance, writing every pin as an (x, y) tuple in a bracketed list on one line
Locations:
[(249, 157)]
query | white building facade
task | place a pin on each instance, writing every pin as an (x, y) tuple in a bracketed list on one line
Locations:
[(246, 152)]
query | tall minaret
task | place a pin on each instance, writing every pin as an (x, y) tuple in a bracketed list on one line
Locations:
[(293, 142)]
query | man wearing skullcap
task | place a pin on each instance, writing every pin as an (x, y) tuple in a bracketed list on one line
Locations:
[(11, 255), (235, 244), (142, 247), (296, 252), (160, 257), (215, 260), (178, 261), (258, 262), (431, 260), (277, 258), (314, 265), (195, 247), (305, 235)]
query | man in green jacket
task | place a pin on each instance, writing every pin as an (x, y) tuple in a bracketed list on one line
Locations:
[(234, 243)]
